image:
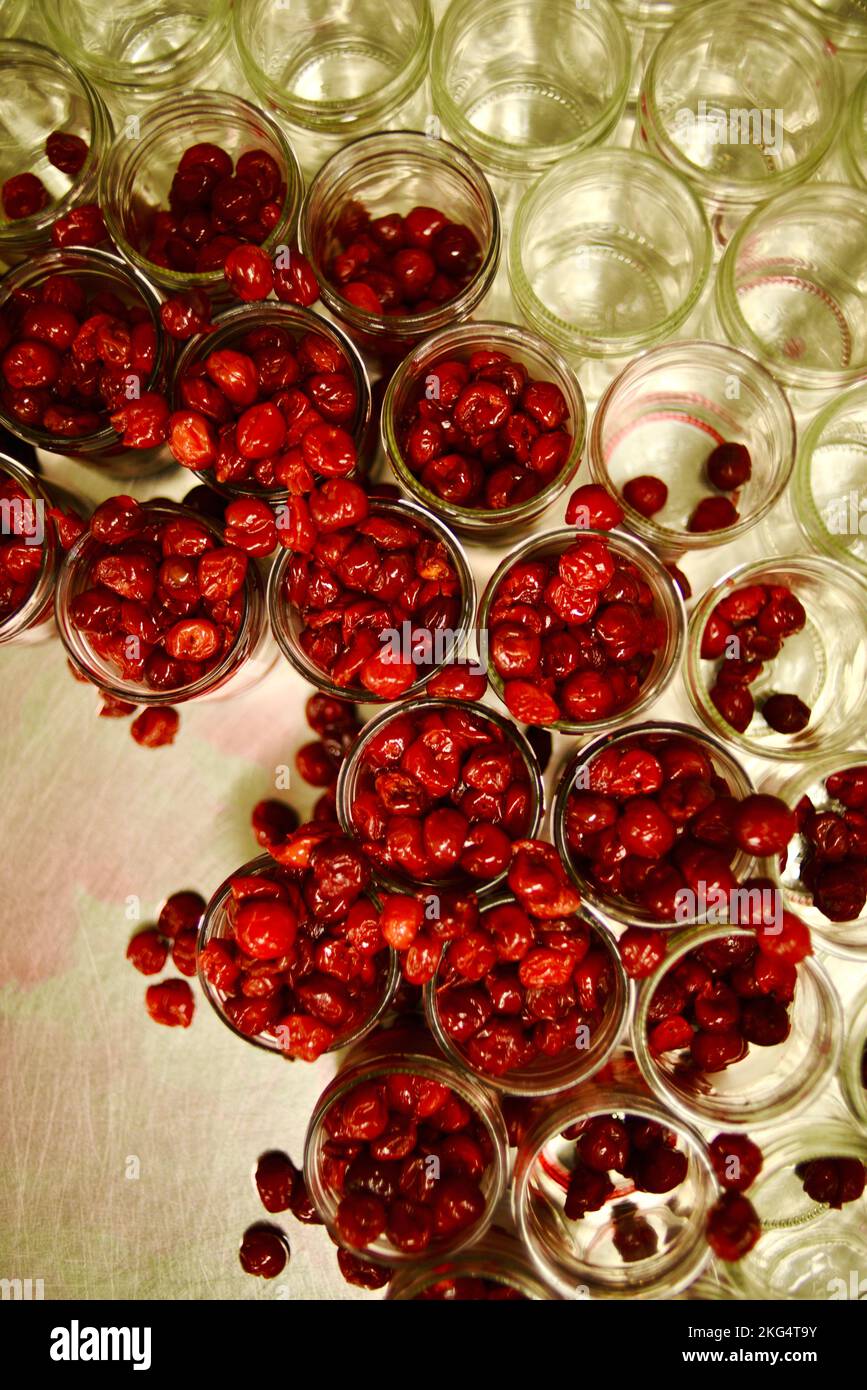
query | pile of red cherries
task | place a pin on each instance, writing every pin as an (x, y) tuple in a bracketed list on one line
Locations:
[(833, 867), (747, 629)]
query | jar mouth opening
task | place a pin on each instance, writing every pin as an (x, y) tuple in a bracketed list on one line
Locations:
[(120, 276), (12, 52), (618, 909), (351, 767), (232, 325), (76, 565), (211, 929), (335, 116), (204, 111), (734, 1109), (283, 614), (544, 1076), (16, 622), (665, 593), (624, 168), (513, 156), (464, 338), (822, 432), (817, 567), (333, 183), (787, 209), (208, 38), (687, 354)]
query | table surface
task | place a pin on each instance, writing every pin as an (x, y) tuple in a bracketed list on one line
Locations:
[(127, 1149)]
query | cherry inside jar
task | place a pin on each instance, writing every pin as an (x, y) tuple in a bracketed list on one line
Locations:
[(437, 792), (580, 629), (831, 846), (371, 611), (290, 953)]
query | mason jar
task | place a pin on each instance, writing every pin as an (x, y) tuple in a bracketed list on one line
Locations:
[(807, 1250), (496, 1268), (693, 108), (137, 174), (822, 664), (334, 73), (40, 94), (591, 1257), (844, 25), (646, 21), (854, 144), (408, 1052), (767, 1085), (412, 381), (664, 415), (853, 1065), (24, 503), (829, 486)]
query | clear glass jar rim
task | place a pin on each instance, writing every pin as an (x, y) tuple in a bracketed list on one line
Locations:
[(204, 44), (806, 512), (21, 618), (464, 335)]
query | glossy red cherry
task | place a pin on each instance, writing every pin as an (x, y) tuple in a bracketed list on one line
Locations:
[(763, 825), (786, 714), (264, 1252), (23, 195), (729, 466), (646, 494), (736, 1160), (713, 514), (171, 1003), (733, 1227)]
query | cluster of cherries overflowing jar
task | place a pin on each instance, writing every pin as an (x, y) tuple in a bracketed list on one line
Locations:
[(481, 965)]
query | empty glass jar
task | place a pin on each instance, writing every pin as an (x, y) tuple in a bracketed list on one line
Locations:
[(829, 487)]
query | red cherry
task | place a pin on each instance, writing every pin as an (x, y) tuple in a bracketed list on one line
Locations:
[(646, 494)]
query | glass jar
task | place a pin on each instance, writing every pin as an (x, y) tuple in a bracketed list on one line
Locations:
[(854, 144), (495, 1268), (790, 289), (770, 1082), (216, 925), (844, 25), (243, 666), (520, 85), (823, 664), (406, 1051), (95, 271), (352, 768), (395, 172), (40, 93), (610, 908), (24, 517), (138, 170), (741, 101), (447, 644), (829, 487), (583, 1259), (847, 939), (335, 73), (545, 1076), (668, 605), (666, 412), (853, 1066), (11, 15), (229, 328), (139, 52), (806, 1249), (646, 21), (414, 378), (609, 253)]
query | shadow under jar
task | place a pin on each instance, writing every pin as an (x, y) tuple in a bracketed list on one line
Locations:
[(665, 416), (30, 553), (822, 662), (403, 1106), (791, 289), (539, 621), (761, 1082), (591, 1028), (281, 999), (335, 73), (394, 173), (520, 85), (829, 487), (413, 596), (494, 1270), (332, 362), (135, 51), (121, 662), (136, 182), (89, 273), (609, 254), (742, 101), (667, 778), (807, 1249), (41, 95), (527, 422), (404, 792), (823, 872), (636, 1233)]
